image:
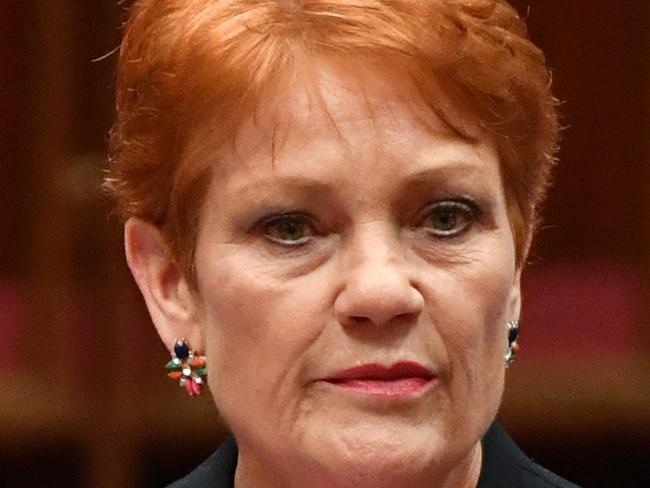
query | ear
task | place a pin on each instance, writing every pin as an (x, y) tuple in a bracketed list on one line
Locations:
[(514, 305), (515, 297), (167, 294)]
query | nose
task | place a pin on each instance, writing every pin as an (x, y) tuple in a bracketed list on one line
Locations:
[(378, 287)]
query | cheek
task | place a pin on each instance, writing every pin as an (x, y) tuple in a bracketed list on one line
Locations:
[(258, 330), (471, 305)]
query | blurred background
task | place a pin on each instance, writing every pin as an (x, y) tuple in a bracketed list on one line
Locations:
[(84, 400)]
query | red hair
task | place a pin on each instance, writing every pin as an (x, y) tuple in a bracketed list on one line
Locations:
[(182, 58)]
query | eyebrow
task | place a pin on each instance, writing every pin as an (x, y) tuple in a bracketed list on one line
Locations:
[(303, 186), (307, 186), (429, 164), (447, 170), (459, 177)]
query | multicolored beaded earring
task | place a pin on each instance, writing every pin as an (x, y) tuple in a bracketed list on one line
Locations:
[(513, 346), (187, 368)]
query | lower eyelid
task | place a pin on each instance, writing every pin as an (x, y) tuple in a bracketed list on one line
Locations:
[(280, 245), (298, 243)]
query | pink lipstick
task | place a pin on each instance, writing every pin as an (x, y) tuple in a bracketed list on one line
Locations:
[(405, 378)]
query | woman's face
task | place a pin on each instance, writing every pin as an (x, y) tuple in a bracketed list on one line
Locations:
[(349, 226)]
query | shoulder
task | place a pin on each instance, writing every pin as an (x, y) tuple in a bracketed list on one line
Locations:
[(218, 471), (505, 465)]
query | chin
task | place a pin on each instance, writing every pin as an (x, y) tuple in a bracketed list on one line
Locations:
[(377, 455)]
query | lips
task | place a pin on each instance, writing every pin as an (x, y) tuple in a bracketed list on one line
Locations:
[(405, 378)]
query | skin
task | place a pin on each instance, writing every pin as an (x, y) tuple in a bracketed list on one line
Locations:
[(327, 240)]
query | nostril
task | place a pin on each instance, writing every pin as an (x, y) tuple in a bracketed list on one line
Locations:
[(379, 318), (359, 320)]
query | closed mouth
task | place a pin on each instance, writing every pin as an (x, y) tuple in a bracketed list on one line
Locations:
[(399, 379)]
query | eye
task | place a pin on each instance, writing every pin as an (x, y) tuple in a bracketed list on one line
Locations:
[(288, 229), (449, 218)]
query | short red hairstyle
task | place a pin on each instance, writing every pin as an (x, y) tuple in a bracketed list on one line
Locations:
[(181, 58)]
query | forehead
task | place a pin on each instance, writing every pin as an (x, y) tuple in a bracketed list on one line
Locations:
[(326, 95), (332, 109)]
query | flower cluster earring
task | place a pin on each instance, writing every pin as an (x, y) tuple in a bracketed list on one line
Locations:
[(187, 368), (513, 346)]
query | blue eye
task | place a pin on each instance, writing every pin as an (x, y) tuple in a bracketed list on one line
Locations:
[(449, 218), (288, 229)]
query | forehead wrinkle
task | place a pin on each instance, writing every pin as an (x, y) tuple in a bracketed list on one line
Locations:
[(321, 150)]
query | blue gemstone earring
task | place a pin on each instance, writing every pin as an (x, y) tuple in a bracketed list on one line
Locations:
[(513, 346), (187, 368)]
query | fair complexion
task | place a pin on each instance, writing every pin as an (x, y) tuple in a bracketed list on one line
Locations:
[(345, 230)]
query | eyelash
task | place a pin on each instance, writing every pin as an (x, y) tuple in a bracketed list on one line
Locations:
[(466, 208), (267, 223)]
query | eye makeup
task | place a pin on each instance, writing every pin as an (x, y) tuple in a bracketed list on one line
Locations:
[(287, 229), (450, 217)]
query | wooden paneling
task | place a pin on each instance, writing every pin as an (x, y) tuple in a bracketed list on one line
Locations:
[(86, 366)]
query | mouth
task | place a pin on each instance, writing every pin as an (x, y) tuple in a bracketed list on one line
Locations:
[(404, 378)]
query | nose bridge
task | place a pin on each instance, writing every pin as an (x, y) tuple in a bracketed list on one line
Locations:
[(376, 247), (378, 283)]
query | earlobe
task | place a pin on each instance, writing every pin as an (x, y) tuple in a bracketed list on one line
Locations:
[(163, 285)]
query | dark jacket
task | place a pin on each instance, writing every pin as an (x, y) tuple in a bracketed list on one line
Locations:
[(504, 466)]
